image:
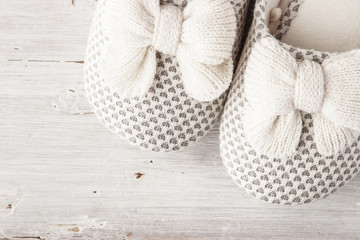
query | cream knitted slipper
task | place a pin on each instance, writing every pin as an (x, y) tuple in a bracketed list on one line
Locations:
[(156, 72), (291, 125)]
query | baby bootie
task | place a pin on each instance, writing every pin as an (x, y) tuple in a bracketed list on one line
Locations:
[(157, 72), (290, 132)]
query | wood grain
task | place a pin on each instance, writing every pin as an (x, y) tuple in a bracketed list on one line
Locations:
[(64, 176)]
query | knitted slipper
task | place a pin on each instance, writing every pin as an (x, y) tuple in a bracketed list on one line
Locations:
[(291, 125), (156, 72)]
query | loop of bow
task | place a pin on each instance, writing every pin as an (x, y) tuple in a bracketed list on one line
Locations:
[(277, 88), (201, 37)]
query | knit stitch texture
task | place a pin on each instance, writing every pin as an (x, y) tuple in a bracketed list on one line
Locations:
[(166, 118), (305, 175), (201, 37), (278, 88)]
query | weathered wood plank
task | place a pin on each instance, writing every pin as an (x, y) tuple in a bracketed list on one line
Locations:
[(63, 176)]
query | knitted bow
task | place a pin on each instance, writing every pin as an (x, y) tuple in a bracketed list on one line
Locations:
[(277, 88), (201, 37)]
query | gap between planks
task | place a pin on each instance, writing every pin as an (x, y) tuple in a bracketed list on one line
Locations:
[(46, 61)]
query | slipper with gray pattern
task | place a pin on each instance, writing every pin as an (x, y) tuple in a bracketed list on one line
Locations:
[(157, 72), (290, 132)]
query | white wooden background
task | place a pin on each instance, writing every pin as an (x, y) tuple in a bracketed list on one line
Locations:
[(64, 176)]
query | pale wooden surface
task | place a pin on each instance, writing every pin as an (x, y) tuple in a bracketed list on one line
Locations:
[(64, 176)]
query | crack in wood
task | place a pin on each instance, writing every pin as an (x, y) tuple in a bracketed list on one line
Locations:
[(31, 60), (83, 113), (74, 61), (29, 237), (14, 60), (46, 61)]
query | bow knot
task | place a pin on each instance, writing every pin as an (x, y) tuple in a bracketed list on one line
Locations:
[(168, 29), (277, 87), (201, 37), (309, 87)]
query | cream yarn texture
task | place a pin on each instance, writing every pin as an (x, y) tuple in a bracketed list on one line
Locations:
[(303, 176), (201, 36), (164, 119), (278, 88)]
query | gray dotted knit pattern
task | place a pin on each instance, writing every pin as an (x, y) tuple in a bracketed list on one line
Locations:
[(166, 119), (300, 178), (287, 17)]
